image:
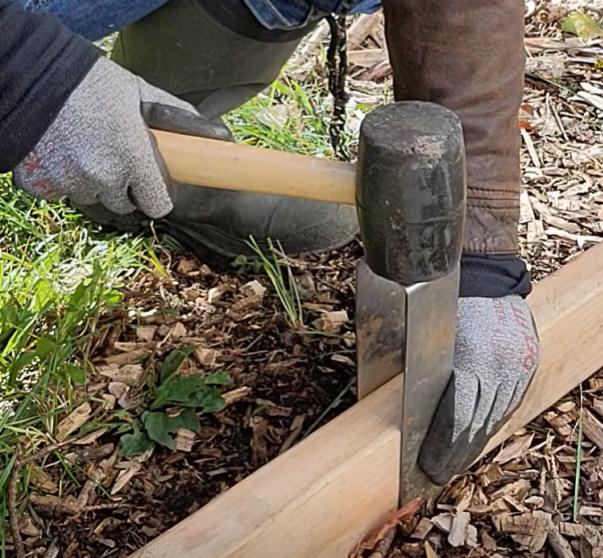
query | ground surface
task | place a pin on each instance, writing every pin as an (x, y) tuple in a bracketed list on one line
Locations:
[(103, 321)]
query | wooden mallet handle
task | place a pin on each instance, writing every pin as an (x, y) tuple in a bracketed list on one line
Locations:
[(232, 166)]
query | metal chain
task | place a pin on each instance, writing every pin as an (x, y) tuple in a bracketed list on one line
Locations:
[(337, 66)]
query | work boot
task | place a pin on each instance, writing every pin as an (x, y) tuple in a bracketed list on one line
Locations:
[(216, 56)]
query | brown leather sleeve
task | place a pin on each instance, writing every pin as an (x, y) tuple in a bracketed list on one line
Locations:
[(468, 56)]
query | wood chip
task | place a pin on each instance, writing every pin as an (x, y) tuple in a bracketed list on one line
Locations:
[(146, 333), (593, 429), (516, 449), (471, 539), (422, 529), (572, 530), (429, 551), (178, 331), (331, 321), (129, 374), (74, 421), (458, 532), (185, 439), (490, 473), (529, 529), (131, 357), (443, 522), (561, 547), (254, 288), (235, 395), (125, 476), (216, 293), (120, 391), (206, 357)]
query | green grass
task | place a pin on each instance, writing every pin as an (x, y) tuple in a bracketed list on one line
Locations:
[(284, 284), (57, 277)]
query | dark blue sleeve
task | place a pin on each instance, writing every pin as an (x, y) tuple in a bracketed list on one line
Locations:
[(41, 63), (494, 275)]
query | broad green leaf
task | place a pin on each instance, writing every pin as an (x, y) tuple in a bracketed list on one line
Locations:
[(211, 402), (189, 391), (43, 294), (172, 363), (582, 25), (187, 419), (160, 426), (157, 426), (178, 390), (218, 379), (135, 443)]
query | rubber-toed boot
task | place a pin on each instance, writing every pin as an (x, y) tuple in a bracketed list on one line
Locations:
[(216, 56)]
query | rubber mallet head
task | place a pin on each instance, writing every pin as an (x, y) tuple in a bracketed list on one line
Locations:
[(411, 191)]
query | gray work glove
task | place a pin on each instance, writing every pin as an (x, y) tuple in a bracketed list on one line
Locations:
[(497, 354), (99, 149)]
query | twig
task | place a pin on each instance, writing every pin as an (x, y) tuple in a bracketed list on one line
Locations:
[(43, 452), (385, 544), (13, 517)]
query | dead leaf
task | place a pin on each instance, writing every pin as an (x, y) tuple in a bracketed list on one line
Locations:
[(27, 527), (42, 480)]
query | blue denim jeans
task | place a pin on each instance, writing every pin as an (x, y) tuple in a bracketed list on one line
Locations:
[(289, 14), (95, 19)]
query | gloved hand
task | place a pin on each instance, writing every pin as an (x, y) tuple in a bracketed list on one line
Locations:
[(497, 353), (99, 148)]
